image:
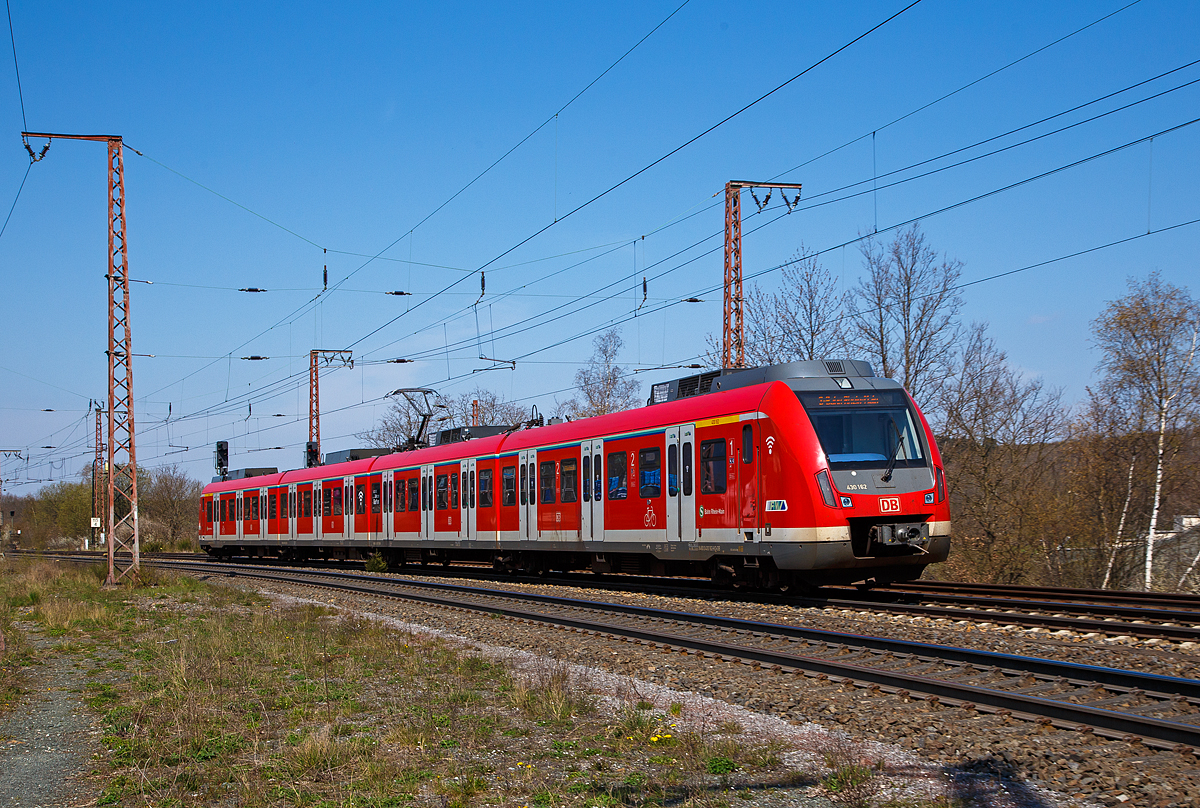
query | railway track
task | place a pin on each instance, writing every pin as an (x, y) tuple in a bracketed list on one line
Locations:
[(1145, 615), (1161, 711)]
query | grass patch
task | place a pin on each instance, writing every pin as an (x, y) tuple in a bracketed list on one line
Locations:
[(210, 696)]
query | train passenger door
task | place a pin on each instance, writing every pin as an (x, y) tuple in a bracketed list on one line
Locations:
[(290, 505), (749, 506), (681, 495), (528, 501), (318, 522), (591, 488), (427, 515), (467, 502), (362, 505), (387, 527)]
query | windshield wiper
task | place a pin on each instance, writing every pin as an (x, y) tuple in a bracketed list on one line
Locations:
[(887, 475)]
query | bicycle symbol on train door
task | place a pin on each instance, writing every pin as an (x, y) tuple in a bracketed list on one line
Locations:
[(651, 518)]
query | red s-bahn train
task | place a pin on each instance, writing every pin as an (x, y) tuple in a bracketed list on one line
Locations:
[(798, 474)]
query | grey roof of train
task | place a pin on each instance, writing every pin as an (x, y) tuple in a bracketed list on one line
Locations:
[(821, 374)]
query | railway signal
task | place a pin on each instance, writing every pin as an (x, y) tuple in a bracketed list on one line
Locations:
[(733, 335)]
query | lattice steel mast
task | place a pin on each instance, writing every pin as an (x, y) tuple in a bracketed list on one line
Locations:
[(314, 393), (122, 493), (733, 335)]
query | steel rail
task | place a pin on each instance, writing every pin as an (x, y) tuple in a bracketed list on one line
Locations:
[(1004, 612), (1065, 714), (1156, 599)]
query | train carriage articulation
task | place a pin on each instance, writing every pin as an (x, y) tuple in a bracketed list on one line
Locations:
[(804, 473)]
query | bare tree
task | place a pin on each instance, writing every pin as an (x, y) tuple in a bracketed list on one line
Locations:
[(804, 319), (604, 386), (1000, 435), (1148, 341), (172, 499), (401, 420), (493, 408), (906, 312), (399, 423)]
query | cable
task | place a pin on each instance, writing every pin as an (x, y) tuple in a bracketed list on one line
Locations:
[(647, 167), (16, 67), (267, 392), (303, 308), (628, 316), (14, 204), (955, 92)]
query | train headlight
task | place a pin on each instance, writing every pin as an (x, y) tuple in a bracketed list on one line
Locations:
[(929, 498), (826, 488), (847, 502)]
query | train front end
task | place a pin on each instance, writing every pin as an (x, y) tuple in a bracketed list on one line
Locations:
[(853, 488)]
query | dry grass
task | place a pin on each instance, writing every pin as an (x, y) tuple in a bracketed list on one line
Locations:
[(214, 697)]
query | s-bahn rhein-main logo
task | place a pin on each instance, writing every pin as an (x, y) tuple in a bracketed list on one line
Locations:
[(889, 504)]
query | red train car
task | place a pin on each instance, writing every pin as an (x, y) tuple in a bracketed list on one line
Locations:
[(804, 473)]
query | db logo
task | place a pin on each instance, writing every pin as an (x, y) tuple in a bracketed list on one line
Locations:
[(889, 505)]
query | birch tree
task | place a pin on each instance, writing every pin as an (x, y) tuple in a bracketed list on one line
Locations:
[(1148, 342), (604, 386)]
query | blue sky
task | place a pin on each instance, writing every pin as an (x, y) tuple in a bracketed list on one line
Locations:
[(348, 125)]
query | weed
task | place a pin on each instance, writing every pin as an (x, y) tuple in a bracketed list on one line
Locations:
[(720, 765)]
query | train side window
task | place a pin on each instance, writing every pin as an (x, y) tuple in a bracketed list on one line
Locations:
[(272, 505), (546, 479), (223, 519), (524, 486), (308, 504), (414, 494), (485, 488), (360, 498), (598, 476), (508, 486), (472, 489), (618, 475), (443, 488), (748, 443), (254, 507), (209, 509), (587, 478), (570, 481), (454, 491), (712, 466), (687, 469), (337, 501), (376, 503), (399, 501), (672, 470), (649, 473)]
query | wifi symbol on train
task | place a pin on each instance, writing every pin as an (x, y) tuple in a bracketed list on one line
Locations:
[(770, 443)]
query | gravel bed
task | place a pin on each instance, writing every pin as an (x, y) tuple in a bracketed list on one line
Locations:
[(1162, 657), (979, 758)]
